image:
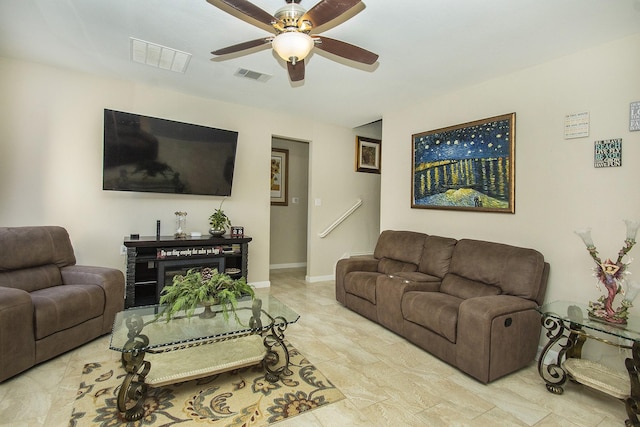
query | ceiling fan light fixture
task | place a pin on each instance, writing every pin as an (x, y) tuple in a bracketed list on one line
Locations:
[(292, 46)]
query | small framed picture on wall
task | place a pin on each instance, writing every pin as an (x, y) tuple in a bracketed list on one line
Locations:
[(368, 155), (279, 177)]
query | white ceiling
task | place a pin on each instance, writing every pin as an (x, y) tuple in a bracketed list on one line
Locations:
[(426, 47)]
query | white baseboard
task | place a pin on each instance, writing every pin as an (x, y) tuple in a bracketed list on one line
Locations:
[(265, 284), (290, 265), (314, 279)]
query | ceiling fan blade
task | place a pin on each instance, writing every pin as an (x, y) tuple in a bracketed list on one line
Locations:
[(242, 46), (327, 10), (346, 50), (296, 72), (247, 12)]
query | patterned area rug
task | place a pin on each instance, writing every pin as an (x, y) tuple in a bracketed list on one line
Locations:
[(237, 398)]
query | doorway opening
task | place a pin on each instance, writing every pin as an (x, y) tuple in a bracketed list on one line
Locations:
[(289, 220)]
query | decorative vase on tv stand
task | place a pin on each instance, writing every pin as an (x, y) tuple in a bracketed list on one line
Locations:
[(219, 222), (181, 223), (217, 232)]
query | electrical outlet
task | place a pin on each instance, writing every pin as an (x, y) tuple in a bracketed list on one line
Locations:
[(123, 250)]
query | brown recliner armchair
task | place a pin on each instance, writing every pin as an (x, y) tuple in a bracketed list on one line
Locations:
[(49, 305)]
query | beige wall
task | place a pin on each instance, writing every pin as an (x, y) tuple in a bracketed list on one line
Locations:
[(557, 188), (51, 167)]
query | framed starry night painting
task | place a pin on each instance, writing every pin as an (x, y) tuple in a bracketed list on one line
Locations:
[(467, 167)]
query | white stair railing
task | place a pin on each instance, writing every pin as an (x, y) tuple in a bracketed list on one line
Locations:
[(338, 221)]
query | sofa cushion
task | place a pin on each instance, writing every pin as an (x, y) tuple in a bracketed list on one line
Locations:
[(416, 277), (435, 311), (62, 307), (465, 288), (24, 247), (390, 266), (516, 271), (362, 284), (31, 279), (405, 246), (436, 255)]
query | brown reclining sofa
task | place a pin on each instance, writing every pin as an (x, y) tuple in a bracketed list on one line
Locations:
[(470, 303), (49, 305)]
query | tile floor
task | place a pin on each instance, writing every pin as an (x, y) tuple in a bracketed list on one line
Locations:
[(387, 381)]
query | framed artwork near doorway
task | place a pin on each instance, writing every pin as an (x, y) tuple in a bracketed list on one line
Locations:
[(279, 177), (368, 155), (470, 166)]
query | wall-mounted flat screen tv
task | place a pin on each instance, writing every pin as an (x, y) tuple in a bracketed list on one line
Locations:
[(155, 155)]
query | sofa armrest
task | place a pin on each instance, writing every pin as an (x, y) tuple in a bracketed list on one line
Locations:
[(489, 307), (17, 342), (110, 279), (496, 335), (346, 266)]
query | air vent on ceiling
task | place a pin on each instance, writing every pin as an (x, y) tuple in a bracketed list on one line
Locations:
[(159, 56), (253, 75)]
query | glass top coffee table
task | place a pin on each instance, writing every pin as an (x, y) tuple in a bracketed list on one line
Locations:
[(568, 327), (157, 352)]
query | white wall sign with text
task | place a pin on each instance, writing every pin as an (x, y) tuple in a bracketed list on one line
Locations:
[(634, 116), (576, 125), (607, 153)]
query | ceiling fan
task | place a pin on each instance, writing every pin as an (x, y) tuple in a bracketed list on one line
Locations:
[(294, 29)]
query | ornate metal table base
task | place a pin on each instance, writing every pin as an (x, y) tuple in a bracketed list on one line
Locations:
[(273, 342), (570, 342), (132, 393), (133, 389), (569, 337), (632, 403)]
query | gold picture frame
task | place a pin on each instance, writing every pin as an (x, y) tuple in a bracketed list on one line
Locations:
[(279, 177), (368, 155), (466, 167)]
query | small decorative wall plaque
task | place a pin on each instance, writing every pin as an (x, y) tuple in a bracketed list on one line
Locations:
[(634, 116), (608, 153), (576, 125)]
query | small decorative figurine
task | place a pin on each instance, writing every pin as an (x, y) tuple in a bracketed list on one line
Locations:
[(611, 275)]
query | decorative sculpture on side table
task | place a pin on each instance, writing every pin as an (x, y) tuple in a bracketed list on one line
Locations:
[(611, 275)]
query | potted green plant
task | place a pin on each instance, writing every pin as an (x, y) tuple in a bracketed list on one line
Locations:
[(219, 221), (204, 287)]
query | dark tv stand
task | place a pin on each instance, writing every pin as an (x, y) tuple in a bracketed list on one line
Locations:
[(153, 261)]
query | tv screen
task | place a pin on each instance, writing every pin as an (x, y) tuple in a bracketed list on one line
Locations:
[(163, 156)]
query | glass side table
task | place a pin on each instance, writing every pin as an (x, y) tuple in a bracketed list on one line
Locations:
[(568, 328)]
